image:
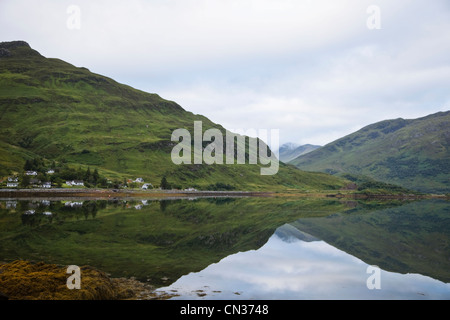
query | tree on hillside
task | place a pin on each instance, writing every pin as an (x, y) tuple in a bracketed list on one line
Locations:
[(25, 181), (35, 164), (87, 175), (164, 184), (95, 176), (28, 165)]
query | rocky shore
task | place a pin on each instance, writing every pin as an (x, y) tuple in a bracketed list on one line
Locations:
[(24, 280)]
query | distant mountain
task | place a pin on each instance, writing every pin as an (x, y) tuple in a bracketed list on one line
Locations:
[(289, 151), (411, 153), (62, 114)]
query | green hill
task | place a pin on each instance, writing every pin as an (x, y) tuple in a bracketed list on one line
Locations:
[(63, 114), (412, 153)]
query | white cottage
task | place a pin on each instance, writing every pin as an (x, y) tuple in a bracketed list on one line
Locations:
[(75, 183)]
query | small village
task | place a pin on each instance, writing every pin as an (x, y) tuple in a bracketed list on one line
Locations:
[(37, 174), (47, 180), (43, 174)]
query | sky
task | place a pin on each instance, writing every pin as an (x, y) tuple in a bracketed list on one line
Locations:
[(315, 70)]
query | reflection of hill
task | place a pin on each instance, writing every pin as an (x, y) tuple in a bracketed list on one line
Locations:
[(163, 239), (414, 238)]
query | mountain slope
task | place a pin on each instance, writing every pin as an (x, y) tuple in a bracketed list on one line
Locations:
[(412, 153), (290, 151), (59, 112)]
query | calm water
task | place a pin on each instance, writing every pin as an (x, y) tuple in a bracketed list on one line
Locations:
[(291, 268), (243, 248)]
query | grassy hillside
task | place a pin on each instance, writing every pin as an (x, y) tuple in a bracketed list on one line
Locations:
[(56, 111), (413, 153)]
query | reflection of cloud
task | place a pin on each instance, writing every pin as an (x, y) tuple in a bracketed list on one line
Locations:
[(298, 267), (302, 270)]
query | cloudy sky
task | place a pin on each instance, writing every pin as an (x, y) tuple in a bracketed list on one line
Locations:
[(316, 70)]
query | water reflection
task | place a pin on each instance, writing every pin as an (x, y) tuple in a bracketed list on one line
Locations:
[(38, 212), (295, 265), (170, 242), (149, 239)]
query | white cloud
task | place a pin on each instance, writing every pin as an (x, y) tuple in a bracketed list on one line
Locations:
[(310, 68)]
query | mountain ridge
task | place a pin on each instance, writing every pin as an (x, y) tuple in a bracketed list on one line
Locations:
[(413, 153)]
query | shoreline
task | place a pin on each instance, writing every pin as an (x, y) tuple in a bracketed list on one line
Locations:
[(105, 194), (110, 194)]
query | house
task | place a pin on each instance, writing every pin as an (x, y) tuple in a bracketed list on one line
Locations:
[(31, 173), (75, 183), (12, 184), (73, 204), (50, 171), (11, 204), (47, 185), (147, 185), (140, 180)]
